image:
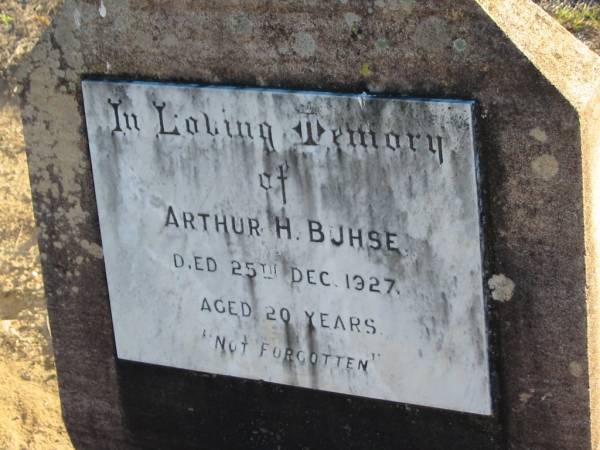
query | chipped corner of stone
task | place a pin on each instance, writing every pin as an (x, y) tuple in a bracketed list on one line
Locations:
[(565, 61)]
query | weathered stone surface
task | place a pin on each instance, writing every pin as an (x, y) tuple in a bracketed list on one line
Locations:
[(326, 241), (536, 91)]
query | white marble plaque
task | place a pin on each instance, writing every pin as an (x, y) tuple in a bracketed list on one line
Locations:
[(319, 240)]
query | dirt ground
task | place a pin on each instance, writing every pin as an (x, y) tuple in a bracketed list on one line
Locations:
[(30, 416)]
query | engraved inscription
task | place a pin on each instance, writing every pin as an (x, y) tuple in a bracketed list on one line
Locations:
[(319, 240)]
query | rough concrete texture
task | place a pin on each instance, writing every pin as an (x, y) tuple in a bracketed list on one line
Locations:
[(537, 91)]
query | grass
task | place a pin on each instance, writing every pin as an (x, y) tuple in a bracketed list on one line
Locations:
[(575, 16), (5, 19)]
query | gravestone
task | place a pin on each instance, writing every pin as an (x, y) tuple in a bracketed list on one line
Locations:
[(317, 224)]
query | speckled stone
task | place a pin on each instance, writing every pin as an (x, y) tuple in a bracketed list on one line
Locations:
[(536, 93)]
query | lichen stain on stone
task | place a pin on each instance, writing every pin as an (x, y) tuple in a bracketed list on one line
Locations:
[(92, 248), (456, 14), (102, 9), (502, 288), (303, 44), (524, 397), (576, 369), (351, 19), (382, 44), (365, 70), (394, 5), (459, 45), (545, 167), (538, 134), (433, 35), (240, 23)]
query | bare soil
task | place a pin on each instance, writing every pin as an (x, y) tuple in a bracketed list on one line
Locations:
[(30, 415)]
